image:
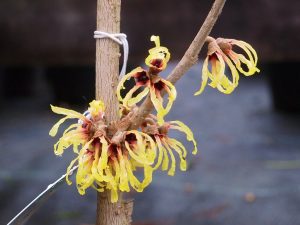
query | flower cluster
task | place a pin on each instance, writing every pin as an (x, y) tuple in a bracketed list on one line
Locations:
[(220, 53), (150, 82), (109, 163), (109, 154)]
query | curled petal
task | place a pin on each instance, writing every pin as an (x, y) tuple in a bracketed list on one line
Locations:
[(96, 108), (103, 161), (157, 99), (143, 150), (124, 79), (67, 112), (158, 56), (84, 177), (223, 84), (114, 196), (123, 173), (69, 169), (160, 153), (129, 100), (178, 125), (132, 101), (172, 169), (134, 182), (250, 62), (95, 171), (98, 188), (205, 73), (54, 129), (182, 153), (147, 176)]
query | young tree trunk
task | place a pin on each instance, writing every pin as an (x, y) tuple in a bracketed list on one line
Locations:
[(107, 74)]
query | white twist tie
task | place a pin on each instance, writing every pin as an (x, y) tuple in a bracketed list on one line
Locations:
[(119, 38)]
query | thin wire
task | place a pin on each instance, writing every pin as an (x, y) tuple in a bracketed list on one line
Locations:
[(119, 38), (21, 217)]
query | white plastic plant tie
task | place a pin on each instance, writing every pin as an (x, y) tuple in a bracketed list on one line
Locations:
[(29, 209), (119, 38)]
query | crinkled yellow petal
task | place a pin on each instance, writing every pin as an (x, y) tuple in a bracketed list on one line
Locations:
[(128, 97), (138, 156), (123, 173), (67, 112), (139, 153), (124, 79), (69, 169), (165, 162), (250, 51), (76, 125), (172, 169), (117, 170), (234, 72), (54, 129), (133, 100), (147, 176), (252, 69), (99, 189), (250, 62), (73, 137), (172, 94), (185, 129), (151, 150), (114, 196), (160, 153), (84, 178), (158, 52), (134, 182), (158, 105), (95, 171), (156, 40), (174, 146), (103, 160), (96, 107), (158, 100), (224, 85), (86, 182), (179, 145), (204, 77), (60, 146), (111, 181)]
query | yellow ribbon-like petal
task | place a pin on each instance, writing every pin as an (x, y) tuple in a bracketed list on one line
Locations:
[(172, 169), (178, 125), (123, 80), (158, 53), (205, 73), (67, 112)]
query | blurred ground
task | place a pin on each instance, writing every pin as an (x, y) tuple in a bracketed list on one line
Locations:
[(247, 171)]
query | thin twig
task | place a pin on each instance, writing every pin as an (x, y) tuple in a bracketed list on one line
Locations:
[(188, 60)]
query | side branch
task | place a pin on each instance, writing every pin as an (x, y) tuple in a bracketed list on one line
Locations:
[(188, 60)]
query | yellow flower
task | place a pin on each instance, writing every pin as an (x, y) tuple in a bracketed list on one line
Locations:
[(97, 109), (158, 56), (155, 85), (103, 164), (167, 146), (217, 75), (220, 53)]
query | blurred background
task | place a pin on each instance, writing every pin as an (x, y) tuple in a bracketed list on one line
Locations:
[(248, 168)]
